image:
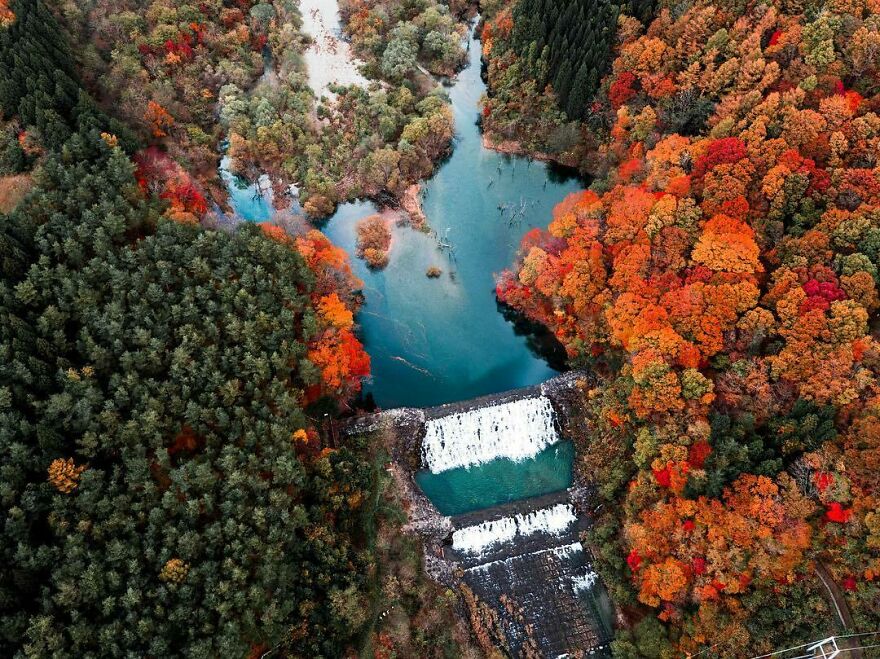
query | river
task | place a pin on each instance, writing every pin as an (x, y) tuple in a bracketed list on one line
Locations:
[(434, 341), (438, 340)]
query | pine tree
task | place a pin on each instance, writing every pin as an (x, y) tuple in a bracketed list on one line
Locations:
[(151, 383), (579, 93), (574, 36)]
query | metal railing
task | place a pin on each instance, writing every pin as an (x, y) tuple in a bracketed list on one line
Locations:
[(825, 648)]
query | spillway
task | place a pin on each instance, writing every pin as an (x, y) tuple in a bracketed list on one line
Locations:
[(489, 534), (558, 590), (524, 557), (517, 430)]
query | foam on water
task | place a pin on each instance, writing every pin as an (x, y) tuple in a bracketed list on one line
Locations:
[(517, 430), (567, 550), (584, 581), (480, 537)]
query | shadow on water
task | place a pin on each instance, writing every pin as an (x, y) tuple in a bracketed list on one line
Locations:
[(560, 174), (539, 339)]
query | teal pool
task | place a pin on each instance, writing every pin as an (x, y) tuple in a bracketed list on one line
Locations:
[(464, 490), (249, 202)]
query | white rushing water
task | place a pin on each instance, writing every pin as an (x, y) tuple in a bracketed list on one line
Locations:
[(584, 581), (517, 430), (480, 537), (329, 58)]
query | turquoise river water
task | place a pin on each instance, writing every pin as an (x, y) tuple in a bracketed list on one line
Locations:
[(464, 490), (434, 341)]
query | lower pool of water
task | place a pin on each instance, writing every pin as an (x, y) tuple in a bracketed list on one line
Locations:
[(463, 490)]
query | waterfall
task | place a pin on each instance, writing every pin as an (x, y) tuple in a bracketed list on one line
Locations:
[(563, 552), (515, 430), (551, 521), (475, 539)]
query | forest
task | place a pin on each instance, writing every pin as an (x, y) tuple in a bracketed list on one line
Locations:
[(721, 272), (245, 60), (353, 141), (565, 45), (167, 484), (170, 480)]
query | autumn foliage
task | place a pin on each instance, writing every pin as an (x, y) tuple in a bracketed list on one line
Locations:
[(730, 270), (7, 16), (158, 174), (64, 475), (158, 119), (374, 241), (334, 349)]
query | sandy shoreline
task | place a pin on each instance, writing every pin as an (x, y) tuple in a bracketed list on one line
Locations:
[(411, 203), (329, 59)]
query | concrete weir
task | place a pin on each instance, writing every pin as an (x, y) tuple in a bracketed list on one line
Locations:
[(540, 579), (529, 578)]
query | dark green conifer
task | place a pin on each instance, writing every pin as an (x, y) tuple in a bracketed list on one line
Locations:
[(575, 38)]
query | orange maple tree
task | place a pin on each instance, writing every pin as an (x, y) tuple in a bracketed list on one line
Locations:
[(7, 16), (158, 119), (334, 348)]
